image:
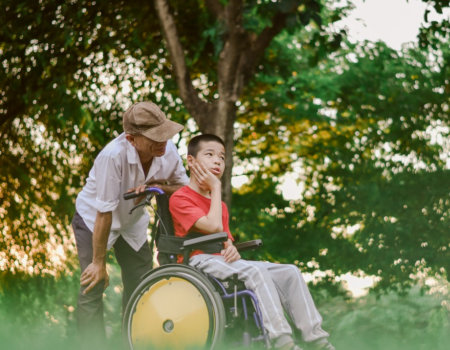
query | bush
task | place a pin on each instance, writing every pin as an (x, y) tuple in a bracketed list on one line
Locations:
[(39, 313), (415, 321)]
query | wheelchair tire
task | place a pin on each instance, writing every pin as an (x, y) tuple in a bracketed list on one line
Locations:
[(174, 307)]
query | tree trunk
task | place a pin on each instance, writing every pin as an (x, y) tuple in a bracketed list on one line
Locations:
[(240, 55), (221, 123)]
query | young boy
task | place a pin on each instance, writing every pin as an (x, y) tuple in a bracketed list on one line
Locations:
[(279, 287)]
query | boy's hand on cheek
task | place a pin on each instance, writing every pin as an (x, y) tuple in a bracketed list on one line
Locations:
[(205, 179)]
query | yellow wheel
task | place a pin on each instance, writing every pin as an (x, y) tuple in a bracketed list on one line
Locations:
[(174, 307)]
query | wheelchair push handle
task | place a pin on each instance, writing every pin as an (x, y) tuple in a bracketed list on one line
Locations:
[(147, 191)]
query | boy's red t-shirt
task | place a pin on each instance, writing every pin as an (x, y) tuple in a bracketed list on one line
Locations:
[(187, 206)]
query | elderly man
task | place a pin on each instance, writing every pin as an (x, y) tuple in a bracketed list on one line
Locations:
[(143, 155)]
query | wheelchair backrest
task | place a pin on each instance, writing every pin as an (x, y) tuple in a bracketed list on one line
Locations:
[(168, 245), (165, 236), (165, 223)]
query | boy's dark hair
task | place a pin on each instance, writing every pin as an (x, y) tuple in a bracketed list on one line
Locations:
[(194, 144)]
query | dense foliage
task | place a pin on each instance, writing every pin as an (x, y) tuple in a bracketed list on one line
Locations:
[(66, 76), (363, 129), (368, 139)]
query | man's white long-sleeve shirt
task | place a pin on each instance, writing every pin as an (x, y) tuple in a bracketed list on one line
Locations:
[(116, 169)]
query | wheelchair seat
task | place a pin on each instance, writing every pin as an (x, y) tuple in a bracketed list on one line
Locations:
[(177, 307)]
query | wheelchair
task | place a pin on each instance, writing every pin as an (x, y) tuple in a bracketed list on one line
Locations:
[(178, 307)]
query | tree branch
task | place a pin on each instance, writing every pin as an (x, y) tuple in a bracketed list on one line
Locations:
[(230, 56), (233, 14), (264, 39), (216, 8), (196, 107), (242, 51), (259, 44)]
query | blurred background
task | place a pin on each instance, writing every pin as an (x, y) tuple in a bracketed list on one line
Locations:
[(336, 114)]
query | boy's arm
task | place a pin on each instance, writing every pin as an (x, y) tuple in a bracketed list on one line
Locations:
[(230, 253), (211, 222)]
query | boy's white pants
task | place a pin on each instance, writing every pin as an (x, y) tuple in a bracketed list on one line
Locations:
[(279, 288)]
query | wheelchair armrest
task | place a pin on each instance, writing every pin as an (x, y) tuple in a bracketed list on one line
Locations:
[(211, 238), (249, 245)]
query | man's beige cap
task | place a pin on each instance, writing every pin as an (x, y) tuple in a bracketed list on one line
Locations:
[(145, 118)]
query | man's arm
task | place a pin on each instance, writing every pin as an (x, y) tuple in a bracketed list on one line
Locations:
[(95, 272)]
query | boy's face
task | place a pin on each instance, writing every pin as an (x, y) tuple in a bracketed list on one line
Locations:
[(212, 156)]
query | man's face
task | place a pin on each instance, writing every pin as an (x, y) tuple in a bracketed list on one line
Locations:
[(212, 156), (148, 148)]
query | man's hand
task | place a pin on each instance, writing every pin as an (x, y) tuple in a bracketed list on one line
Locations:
[(205, 179), (138, 190), (230, 254), (168, 189), (93, 274), (157, 184)]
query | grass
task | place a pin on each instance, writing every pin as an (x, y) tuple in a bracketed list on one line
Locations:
[(39, 314)]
